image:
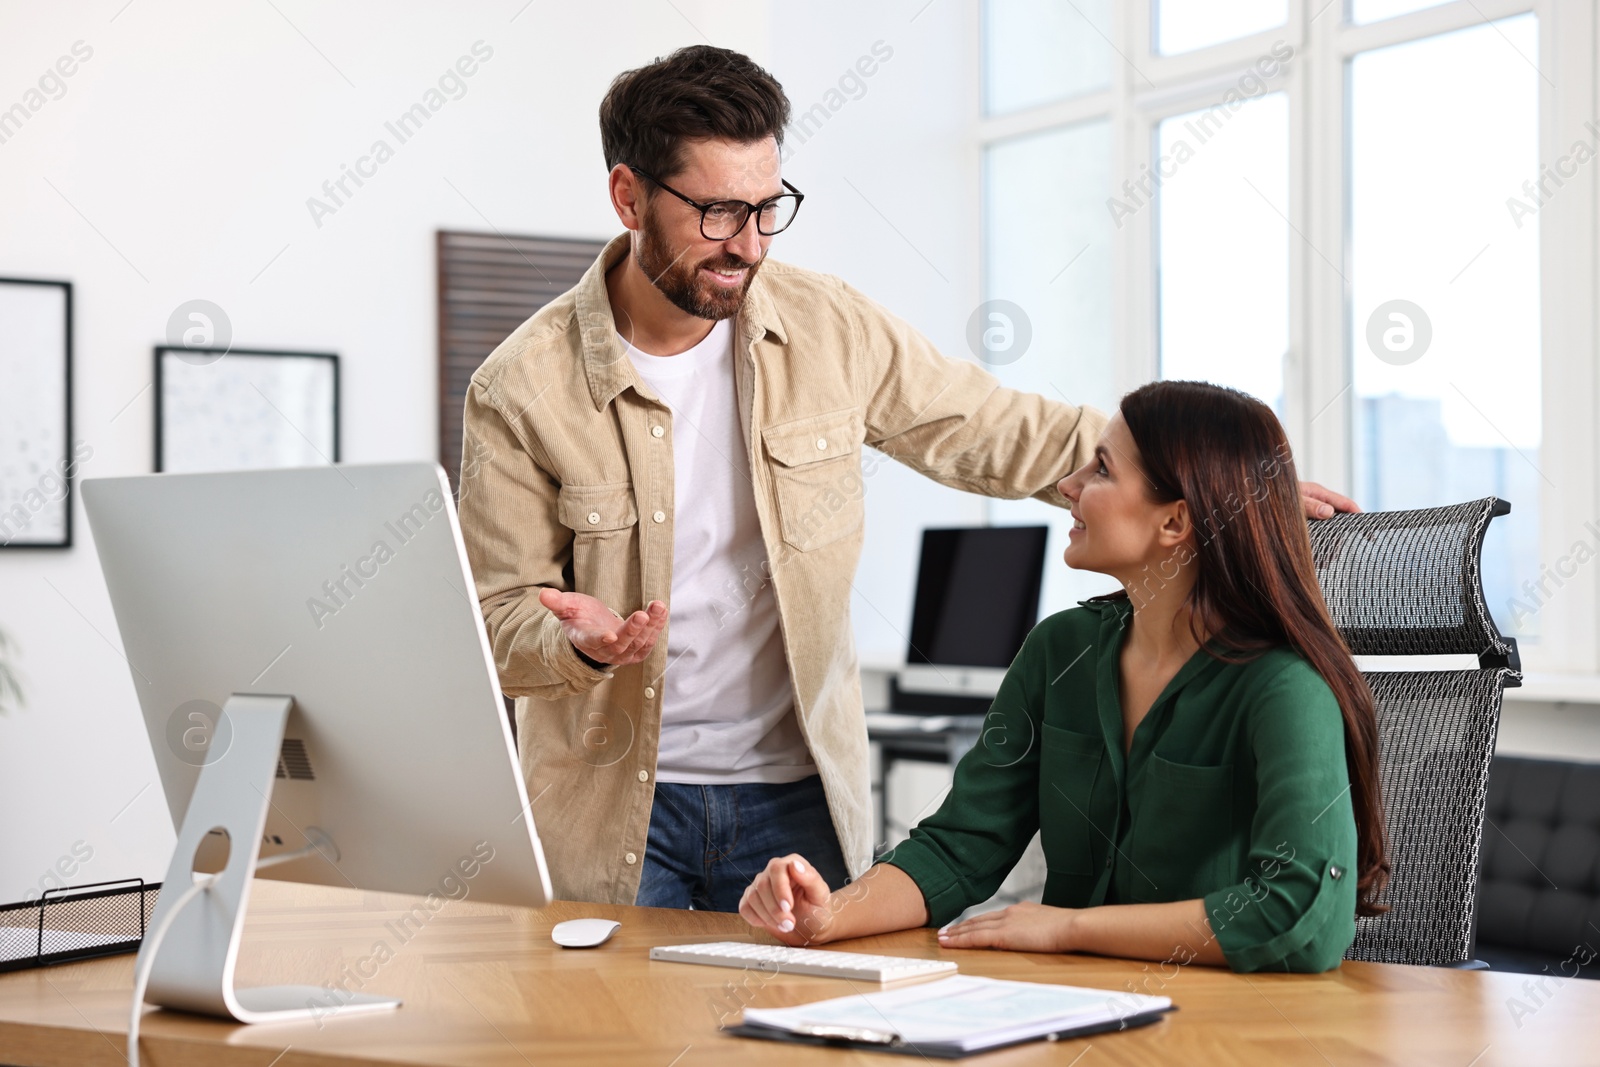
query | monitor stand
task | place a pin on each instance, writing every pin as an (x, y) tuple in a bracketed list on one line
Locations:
[(194, 963)]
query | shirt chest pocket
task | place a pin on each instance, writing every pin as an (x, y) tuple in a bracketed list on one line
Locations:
[(816, 475), (1069, 768), (603, 519), (1182, 831)]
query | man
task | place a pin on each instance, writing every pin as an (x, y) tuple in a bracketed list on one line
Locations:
[(684, 428)]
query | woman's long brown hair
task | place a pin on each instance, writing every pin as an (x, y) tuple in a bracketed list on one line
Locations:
[(1225, 454)]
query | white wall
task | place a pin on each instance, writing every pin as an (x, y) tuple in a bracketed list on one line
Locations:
[(890, 179), (178, 163)]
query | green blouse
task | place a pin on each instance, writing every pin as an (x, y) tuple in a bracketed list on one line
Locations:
[(1235, 790)]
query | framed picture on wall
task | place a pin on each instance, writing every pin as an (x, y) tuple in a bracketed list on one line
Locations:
[(37, 456), (234, 409)]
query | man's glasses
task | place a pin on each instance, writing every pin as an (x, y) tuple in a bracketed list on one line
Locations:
[(720, 220)]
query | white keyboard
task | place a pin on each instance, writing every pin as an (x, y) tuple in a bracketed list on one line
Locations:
[(782, 958)]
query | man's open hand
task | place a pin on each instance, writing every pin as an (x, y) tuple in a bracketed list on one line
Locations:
[(602, 634)]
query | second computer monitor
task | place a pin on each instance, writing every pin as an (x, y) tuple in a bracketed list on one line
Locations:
[(977, 597)]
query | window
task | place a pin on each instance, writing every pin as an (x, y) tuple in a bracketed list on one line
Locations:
[(1047, 282), (1187, 25), (1444, 282), (1043, 50), (1376, 10), (1223, 245), (1376, 243)]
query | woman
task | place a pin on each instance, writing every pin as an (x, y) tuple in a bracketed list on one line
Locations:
[(1198, 751)]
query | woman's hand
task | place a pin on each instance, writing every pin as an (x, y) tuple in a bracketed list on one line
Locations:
[(789, 899), (1025, 927)]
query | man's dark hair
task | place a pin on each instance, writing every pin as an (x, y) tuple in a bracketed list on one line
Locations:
[(697, 93)]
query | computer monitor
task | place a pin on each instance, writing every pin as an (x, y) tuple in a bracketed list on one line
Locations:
[(320, 697), (977, 597)]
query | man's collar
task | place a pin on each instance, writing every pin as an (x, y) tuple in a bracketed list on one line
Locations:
[(605, 361)]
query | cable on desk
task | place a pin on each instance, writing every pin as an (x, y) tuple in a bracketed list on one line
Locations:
[(141, 972)]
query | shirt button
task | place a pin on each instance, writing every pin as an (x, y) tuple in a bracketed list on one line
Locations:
[(649, 692), (644, 776), (1108, 859), (594, 517), (656, 431), (822, 443), (1335, 872), (631, 858), (660, 516)]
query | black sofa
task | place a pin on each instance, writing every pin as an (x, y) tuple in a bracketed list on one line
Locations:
[(1539, 870)]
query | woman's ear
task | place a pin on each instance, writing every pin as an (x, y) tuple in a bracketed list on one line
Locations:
[(1176, 525)]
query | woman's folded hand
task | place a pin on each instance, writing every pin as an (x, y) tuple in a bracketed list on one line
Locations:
[(790, 900)]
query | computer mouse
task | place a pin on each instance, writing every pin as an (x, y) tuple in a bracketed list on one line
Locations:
[(583, 933)]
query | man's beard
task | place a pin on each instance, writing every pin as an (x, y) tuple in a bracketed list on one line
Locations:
[(680, 281)]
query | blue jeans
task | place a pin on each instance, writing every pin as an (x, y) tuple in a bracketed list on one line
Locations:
[(707, 842)]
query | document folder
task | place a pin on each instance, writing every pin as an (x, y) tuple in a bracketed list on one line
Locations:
[(954, 1017)]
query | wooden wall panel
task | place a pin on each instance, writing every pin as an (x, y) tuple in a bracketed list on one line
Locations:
[(489, 284)]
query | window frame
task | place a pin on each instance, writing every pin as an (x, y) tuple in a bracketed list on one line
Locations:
[(1147, 87)]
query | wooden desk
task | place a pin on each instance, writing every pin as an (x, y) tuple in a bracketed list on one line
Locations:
[(485, 985)]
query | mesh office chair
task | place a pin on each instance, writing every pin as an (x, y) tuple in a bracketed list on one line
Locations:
[(1407, 583)]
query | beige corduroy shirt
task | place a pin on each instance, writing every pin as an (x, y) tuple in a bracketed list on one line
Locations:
[(567, 482)]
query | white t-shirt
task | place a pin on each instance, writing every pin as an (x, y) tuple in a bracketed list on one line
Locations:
[(727, 704)]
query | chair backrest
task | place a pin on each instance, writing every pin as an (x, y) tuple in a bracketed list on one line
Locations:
[(1408, 583)]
